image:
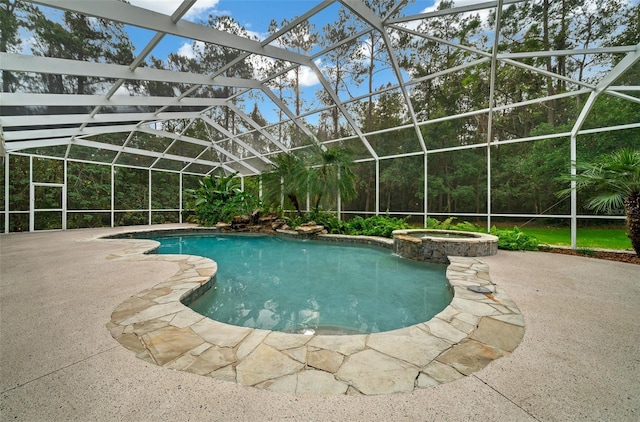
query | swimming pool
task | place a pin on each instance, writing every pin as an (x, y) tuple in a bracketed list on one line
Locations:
[(473, 330), (312, 287)]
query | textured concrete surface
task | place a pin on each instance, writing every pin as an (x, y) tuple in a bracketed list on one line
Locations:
[(579, 359)]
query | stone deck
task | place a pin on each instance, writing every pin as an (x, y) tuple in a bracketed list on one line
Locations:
[(579, 358), (472, 331)]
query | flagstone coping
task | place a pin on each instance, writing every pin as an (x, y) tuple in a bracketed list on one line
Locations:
[(467, 335)]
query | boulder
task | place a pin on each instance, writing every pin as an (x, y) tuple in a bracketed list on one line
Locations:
[(278, 224), (310, 230)]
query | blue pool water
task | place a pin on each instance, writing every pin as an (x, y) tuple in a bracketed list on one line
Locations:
[(293, 286)]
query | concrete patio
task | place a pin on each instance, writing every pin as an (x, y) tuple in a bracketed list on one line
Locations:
[(579, 358)]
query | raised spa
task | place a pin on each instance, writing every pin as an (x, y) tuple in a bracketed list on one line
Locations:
[(312, 287), (437, 245)]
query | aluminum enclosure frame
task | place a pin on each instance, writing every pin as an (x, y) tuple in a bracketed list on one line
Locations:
[(22, 133)]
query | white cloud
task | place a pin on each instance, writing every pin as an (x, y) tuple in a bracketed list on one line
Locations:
[(255, 35), (484, 13), (187, 49), (456, 3), (123, 90), (201, 8), (306, 76), (167, 7)]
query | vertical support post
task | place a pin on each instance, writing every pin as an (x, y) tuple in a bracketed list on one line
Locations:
[(113, 195), (180, 210), (574, 193), (32, 196), (489, 187), (426, 191), (149, 198), (64, 195), (623, 65), (339, 196), (377, 187), (494, 65), (6, 193)]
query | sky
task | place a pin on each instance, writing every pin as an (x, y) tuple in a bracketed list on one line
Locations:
[(254, 15)]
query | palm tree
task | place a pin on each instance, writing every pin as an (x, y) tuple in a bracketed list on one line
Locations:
[(331, 174), (318, 172), (287, 177), (614, 181)]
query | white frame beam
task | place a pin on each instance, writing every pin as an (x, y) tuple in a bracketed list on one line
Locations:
[(112, 112)]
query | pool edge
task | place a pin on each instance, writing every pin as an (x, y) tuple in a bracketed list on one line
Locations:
[(473, 330)]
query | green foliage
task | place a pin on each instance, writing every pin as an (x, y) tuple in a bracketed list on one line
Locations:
[(330, 221), (447, 224), (433, 223), (220, 199), (331, 174), (286, 180), (514, 239), (586, 251), (468, 227), (509, 239), (319, 173), (377, 225), (523, 174), (613, 182), (239, 204), (612, 178), (384, 225), (88, 186)]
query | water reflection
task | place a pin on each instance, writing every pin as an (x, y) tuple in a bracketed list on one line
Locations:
[(274, 284)]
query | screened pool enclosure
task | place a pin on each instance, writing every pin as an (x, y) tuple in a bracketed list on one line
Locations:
[(471, 109)]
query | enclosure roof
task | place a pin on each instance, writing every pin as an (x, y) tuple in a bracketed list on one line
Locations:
[(118, 124)]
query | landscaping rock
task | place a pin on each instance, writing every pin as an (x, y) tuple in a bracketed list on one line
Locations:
[(310, 229)]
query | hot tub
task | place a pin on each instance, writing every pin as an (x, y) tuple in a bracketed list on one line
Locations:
[(437, 245)]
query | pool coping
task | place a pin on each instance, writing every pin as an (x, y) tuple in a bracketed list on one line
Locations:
[(473, 330)]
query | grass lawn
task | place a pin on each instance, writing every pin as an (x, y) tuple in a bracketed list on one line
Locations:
[(587, 238)]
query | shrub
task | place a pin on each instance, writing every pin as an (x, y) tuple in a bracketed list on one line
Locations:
[(447, 224), (509, 239), (378, 225), (330, 221), (220, 199), (514, 239)]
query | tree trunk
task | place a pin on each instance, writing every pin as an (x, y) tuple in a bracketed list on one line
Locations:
[(294, 201), (281, 98), (334, 112), (6, 75), (297, 103), (632, 208), (369, 124), (551, 117)]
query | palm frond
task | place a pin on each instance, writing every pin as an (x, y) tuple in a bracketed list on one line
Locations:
[(606, 202), (610, 179)]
